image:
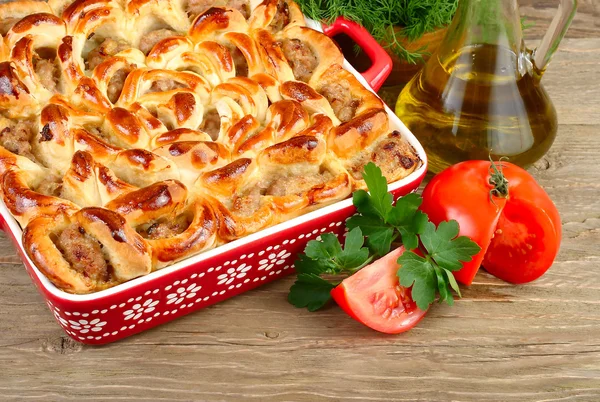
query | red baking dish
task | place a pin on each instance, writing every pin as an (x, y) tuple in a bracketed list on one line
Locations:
[(217, 274)]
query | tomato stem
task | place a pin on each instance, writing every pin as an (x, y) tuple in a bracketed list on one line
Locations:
[(498, 180)]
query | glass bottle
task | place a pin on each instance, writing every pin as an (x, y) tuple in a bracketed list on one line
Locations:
[(480, 94)]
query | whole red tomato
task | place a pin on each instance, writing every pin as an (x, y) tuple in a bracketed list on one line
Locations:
[(505, 211)]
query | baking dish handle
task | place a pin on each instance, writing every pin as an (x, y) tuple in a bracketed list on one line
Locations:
[(381, 62)]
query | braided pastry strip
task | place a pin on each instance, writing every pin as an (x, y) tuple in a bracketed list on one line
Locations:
[(90, 250), (136, 133)]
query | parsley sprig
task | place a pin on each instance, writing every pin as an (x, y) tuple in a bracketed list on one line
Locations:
[(383, 222), (443, 253), (434, 252)]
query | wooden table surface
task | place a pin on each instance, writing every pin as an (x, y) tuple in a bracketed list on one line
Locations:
[(498, 343)]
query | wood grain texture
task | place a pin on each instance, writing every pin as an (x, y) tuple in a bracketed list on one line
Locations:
[(586, 23), (537, 342)]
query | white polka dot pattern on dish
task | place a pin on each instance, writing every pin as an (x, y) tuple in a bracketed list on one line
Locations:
[(273, 259), (85, 326), (183, 293), (61, 320), (233, 274), (137, 310)]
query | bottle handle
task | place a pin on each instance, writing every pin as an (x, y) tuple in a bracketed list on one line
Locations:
[(557, 30)]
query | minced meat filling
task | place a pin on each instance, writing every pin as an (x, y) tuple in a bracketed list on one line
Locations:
[(240, 62), (393, 155), (52, 185), (343, 104), (108, 48), (297, 184), (83, 253), (197, 7), (165, 84), (115, 85), (152, 38), (282, 16), (165, 229), (17, 139), (301, 58), (47, 72), (211, 124), (247, 204)]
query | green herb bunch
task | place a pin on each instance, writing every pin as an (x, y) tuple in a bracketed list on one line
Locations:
[(433, 253), (379, 17)]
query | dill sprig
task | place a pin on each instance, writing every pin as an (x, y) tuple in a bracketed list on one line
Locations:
[(416, 17)]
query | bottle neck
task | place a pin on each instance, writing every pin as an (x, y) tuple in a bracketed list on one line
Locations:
[(491, 22), (487, 24)]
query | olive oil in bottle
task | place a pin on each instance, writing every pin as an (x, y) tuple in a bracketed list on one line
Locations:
[(480, 93)]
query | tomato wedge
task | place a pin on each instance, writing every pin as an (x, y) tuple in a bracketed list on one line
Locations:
[(374, 297), (519, 233), (528, 234)]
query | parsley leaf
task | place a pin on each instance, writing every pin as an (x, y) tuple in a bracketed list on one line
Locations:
[(452, 281), (447, 250), (310, 291), (444, 252), (326, 257), (381, 242), (324, 251), (367, 224), (379, 201), (409, 221), (416, 271), (306, 265), (379, 234), (354, 255), (362, 201), (405, 208)]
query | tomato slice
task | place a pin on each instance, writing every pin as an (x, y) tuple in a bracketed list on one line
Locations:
[(374, 297)]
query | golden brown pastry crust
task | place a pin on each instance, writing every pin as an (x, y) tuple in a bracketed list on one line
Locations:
[(148, 132), (126, 254)]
